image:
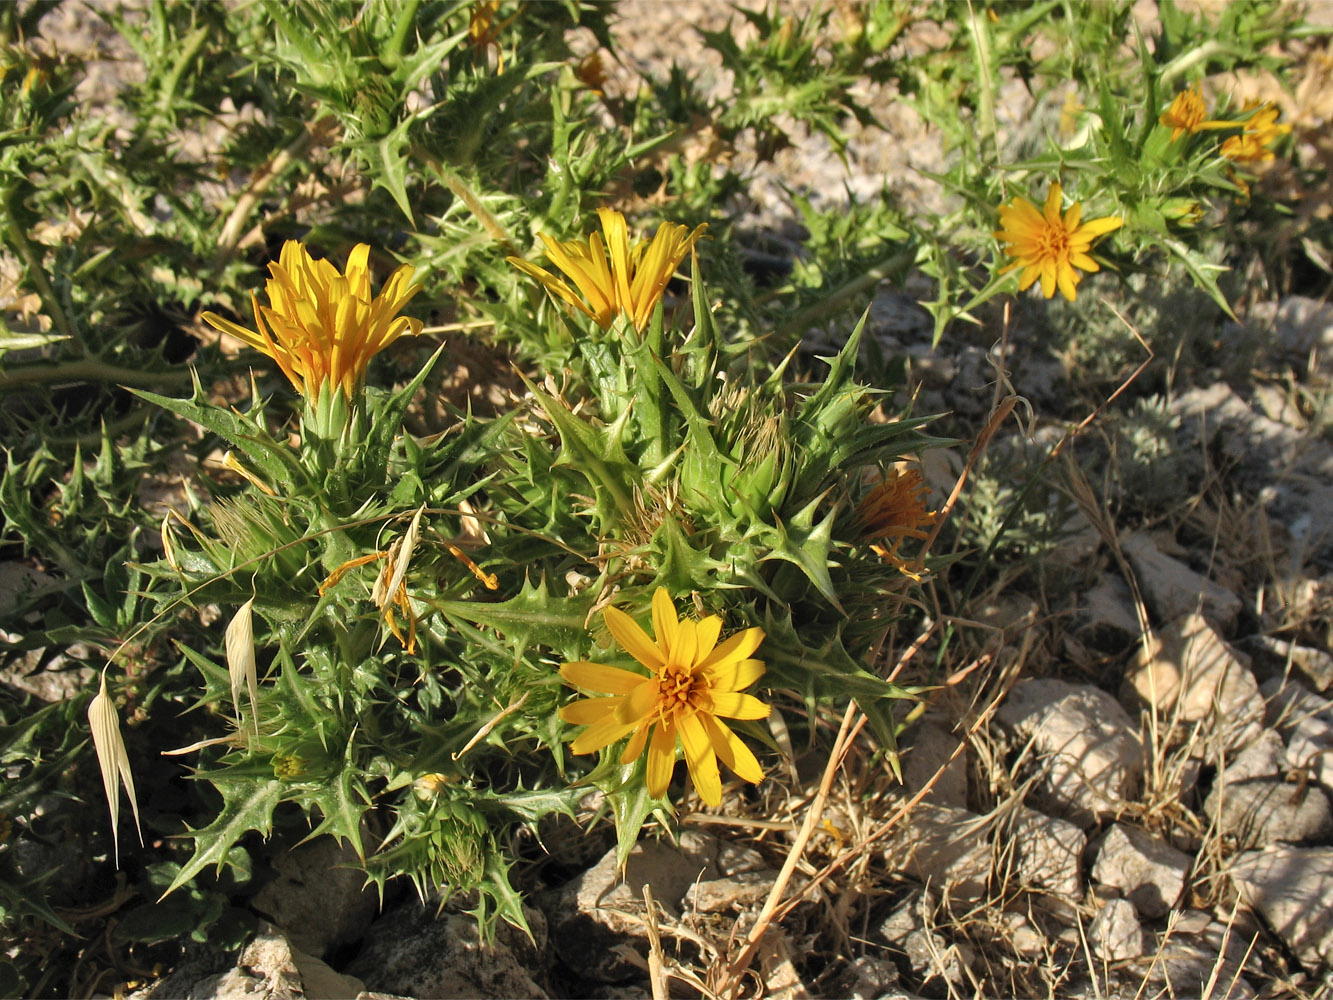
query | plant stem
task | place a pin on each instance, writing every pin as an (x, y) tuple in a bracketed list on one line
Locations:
[(887, 268), (392, 53), (87, 370)]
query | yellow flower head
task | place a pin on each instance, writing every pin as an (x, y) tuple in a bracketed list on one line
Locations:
[(611, 275), (1187, 113), (1261, 131), (322, 327), (1049, 246), (693, 683)]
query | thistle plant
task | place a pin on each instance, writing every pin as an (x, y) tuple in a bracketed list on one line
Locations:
[(412, 703)]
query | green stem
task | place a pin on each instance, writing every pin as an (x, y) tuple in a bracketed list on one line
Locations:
[(391, 56), (1183, 62), (469, 198), (981, 47), (88, 370), (193, 42), (230, 238), (888, 268)]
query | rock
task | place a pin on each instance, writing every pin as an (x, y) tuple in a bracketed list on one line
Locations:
[(1314, 665), (1302, 326), (734, 859), (414, 951), (1292, 889), (319, 900), (1115, 933), (866, 977), (1266, 757), (945, 848), (1293, 469), (1171, 589), (1010, 615), (1306, 722), (1106, 616), (1083, 746), (735, 892), (598, 912), (1263, 811), (933, 958), (1048, 853), (1150, 873), (265, 969), (47, 677), (1189, 674), (926, 754), (1186, 967), (1022, 936)]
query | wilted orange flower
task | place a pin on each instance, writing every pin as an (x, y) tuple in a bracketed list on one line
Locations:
[(611, 275), (894, 510), (323, 327), (1187, 113), (1049, 246), (591, 71), (1261, 131), (693, 682)]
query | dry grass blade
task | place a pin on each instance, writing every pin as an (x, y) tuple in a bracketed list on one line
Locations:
[(114, 761)]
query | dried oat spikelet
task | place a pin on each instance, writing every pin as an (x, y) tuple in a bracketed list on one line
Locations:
[(114, 761), (240, 643)]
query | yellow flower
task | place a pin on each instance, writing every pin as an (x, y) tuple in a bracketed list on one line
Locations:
[(1049, 246), (1187, 113), (1261, 131), (895, 509), (613, 276), (692, 682), (323, 327)]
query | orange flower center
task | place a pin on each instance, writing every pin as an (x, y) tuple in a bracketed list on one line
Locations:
[(677, 688), (1055, 242)]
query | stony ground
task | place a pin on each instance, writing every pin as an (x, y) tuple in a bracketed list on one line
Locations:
[(1119, 783)]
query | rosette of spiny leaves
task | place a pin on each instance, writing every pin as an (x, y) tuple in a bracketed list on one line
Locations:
[(349, 692)]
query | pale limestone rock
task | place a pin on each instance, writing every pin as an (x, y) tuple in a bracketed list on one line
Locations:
[(267, 968), (318, 899), (1263, 811), (1266, 757), (1306, 722), (1115, 933), (946, 848), (1048, 853), (1106, 615), (1171, 589), (598, 913), (734, 892), (866, 977), (925, 753), (1292, 889), (1315, 666), (1190, 674), (1080, 743), (1150, 873), (413, 951)]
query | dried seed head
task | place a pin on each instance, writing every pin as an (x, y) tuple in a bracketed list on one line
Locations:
[(240, 644), (114, 761)]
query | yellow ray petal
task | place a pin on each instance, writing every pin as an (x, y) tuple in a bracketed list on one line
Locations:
[(627, 632)]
